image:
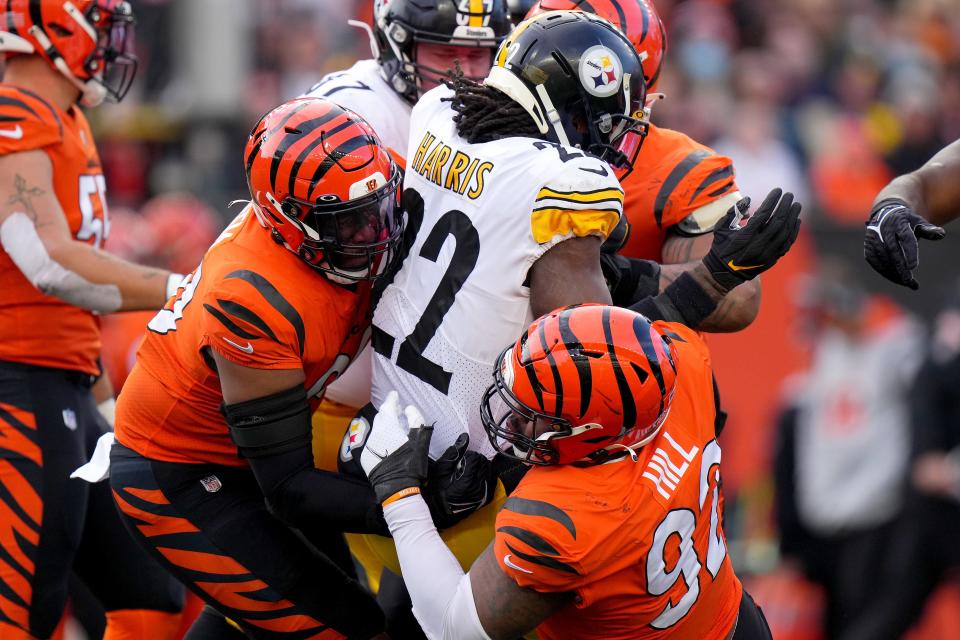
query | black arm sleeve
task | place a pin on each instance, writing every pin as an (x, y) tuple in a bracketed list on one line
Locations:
[(274, 434), (683, 301), (629, 279)]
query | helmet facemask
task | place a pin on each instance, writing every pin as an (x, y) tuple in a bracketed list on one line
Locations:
[(113, 65), (352, 241)]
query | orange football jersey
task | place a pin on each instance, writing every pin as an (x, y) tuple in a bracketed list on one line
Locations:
[(640, 544), (258, 305), (39, 329), (672, 177)]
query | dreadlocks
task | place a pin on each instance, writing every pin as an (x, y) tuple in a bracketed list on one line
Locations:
[(485, 114)]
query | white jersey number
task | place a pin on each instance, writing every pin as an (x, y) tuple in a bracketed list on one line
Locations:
[(93, 191), (682, 522), (454, 223)]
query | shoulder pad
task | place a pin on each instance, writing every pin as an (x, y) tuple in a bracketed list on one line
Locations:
[(251, 323), (680, 175), (582, 197), (536, 544), (27, 121)]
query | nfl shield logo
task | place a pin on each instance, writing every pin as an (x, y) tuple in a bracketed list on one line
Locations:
[(211, 483)]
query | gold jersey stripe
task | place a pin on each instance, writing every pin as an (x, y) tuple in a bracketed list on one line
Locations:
[(547, 224), (586, 197)]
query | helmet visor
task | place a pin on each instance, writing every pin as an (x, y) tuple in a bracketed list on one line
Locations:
[(113, 63), (358, 239)]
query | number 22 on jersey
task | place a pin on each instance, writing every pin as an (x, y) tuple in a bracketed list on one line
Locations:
[(453, 223)]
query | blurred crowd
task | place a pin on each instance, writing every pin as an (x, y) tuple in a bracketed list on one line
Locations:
[(827, 98)]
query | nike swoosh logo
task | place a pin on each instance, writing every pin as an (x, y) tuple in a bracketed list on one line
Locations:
[(509, 563), (602, 171), (246, 349), (734, 267), (16, 133)]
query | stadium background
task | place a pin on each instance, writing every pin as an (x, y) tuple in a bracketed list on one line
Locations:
[(826, 98)]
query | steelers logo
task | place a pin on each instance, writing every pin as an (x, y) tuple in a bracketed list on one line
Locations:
[(601, 71), (354, 438)]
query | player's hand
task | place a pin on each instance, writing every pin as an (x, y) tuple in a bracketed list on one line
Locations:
[(741, 253), (890, 244), (458, 484), (395, 455)]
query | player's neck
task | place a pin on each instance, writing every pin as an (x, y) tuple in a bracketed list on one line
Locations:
[(35, 74)]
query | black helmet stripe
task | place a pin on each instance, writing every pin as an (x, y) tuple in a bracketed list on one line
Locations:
[(642, 330), (303, 130), (295, 169), (629, 405), (645, 28), (346, 147), (584, 372), (267, 133), (557, 382), (531, 375)]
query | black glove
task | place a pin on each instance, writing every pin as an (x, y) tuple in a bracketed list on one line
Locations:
[(742, 253), (629, 279), (890, 244), (458, 484), (395, 457)]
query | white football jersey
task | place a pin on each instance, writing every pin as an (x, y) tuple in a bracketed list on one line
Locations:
[(362, 89), (482, 214)]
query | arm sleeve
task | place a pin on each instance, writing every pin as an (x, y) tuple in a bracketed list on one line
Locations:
[(440, 591), (584, 198)]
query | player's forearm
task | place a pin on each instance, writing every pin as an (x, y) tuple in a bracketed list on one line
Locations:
[(933, 190), (735, 311), (442, 599), (139, 287)]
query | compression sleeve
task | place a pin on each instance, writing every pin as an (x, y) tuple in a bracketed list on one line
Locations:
[(274, 434), (441, 593)]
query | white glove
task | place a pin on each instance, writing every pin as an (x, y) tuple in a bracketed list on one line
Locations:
[(389, 431)]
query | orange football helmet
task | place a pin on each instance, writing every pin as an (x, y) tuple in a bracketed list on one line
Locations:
[(88, 41), (326, 187), (582, 384), (637, 19)]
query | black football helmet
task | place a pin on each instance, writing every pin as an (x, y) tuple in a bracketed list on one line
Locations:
[(400, 24), (580, 80)]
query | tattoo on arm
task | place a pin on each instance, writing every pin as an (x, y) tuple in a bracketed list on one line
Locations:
[(24, 196), (678, 250)]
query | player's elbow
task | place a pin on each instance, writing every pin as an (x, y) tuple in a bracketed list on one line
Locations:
[(738, 310), (42, 264)]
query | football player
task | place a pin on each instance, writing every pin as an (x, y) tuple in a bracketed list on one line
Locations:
[(913, 206), (414, 45), (213, 466), (680, 188), (56, 280), (509, 198), (616, 531)]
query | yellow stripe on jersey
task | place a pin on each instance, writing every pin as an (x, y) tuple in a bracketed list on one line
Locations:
[(547, 224), (581, 197), (476, 13)]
